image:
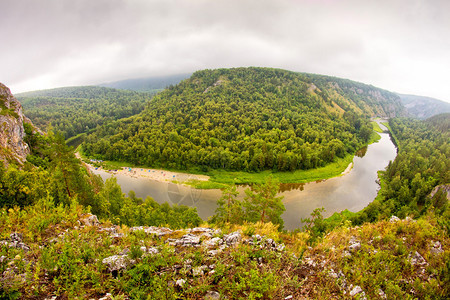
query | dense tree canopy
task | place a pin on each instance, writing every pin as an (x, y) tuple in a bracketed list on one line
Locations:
[(53, 173), (249, 119), (422, 163), (75, 110), (261, 204)]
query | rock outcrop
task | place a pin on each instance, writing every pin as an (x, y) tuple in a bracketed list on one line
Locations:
[(15, 241), (207, 263), (444, 187), (12, 132)]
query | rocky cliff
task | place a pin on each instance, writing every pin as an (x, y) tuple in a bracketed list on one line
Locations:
[(12, 132), (421, 107)]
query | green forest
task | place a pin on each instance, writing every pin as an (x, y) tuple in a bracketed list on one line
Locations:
[(249, 119), (45, 202), (53, 175), (76, 110), (47, 249), (407, 183), (422, 163)]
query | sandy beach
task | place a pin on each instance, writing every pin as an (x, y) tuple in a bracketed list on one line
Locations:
[(159, 175), (153, 174), (348, 169)]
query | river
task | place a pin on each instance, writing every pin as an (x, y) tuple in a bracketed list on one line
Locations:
[(352, 191)]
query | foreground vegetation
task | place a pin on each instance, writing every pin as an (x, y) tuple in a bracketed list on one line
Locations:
[(52, 172), (52, 246), (57, 257)]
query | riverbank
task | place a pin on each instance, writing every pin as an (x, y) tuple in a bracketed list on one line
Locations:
[(331, 170), (152, 174), (218, 179), (340, 167), (161, 175), (353, 191)]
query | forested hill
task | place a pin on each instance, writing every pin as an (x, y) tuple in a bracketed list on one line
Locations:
[(75, 110), (247, 119), (421, 166), (440, 122)]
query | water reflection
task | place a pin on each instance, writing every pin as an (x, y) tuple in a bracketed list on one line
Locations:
[(361, 152), (352, 191), (286, 187), (283, 187)]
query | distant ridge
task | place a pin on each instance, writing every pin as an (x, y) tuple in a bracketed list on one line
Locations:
[(76, 110), (422, 107), (147, 84), (440, 122)]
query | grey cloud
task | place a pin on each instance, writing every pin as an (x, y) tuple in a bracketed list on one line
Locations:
[(400, 45)]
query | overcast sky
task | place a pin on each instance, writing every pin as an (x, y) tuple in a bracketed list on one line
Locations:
[(399, 45)]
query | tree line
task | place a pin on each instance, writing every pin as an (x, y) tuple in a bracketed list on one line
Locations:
[(422, 163), (53, 174), (250, 119), (76, 110)]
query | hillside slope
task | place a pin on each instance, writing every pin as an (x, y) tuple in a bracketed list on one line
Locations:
[(422, 166), (247, 119), (424, 107), (75, 110), (51, 246), (440, 122), (148, 84)]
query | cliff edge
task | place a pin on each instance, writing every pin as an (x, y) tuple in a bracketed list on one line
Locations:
[(12, 132)]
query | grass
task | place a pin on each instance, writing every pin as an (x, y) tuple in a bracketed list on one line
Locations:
[(65, 260), (299, 176), (376, 127), (392, 134), (206, 185), (113, 165), (375, 137), (383, 261), (222, 178)]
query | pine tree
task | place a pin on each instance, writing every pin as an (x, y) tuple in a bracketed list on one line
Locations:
[(262, 204)]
